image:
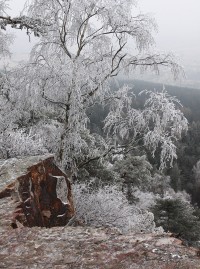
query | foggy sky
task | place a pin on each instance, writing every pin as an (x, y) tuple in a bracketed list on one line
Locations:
[(178, 28), (178, 21), (179, 32)]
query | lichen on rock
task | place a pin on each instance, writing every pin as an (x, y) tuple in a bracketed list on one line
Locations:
[(34, 185)]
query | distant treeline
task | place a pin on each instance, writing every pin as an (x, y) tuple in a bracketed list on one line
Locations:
[(189, 98)]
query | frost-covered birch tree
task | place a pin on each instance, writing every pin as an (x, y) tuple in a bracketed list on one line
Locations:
[(83, 44)]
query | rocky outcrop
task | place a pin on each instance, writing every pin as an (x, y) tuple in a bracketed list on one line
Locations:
[(36, 191), (90, 248)]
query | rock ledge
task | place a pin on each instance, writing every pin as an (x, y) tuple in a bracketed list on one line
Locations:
[(90, 248)]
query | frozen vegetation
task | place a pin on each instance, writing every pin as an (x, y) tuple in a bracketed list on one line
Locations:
[(120, 174)]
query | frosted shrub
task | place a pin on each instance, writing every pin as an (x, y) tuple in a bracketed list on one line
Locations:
[(109, 207), (145, 200), (183, 196), (19, 143)]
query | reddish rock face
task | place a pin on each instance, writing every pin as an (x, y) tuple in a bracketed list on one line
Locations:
[(90, 248), (42, 192)]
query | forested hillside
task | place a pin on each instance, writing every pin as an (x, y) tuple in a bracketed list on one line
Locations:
[(185, 172)]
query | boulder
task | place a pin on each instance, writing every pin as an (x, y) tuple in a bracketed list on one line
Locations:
[(38, 190)]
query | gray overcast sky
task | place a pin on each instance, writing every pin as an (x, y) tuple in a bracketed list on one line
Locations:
[(178, 31), (178, 20), (178, 28)]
